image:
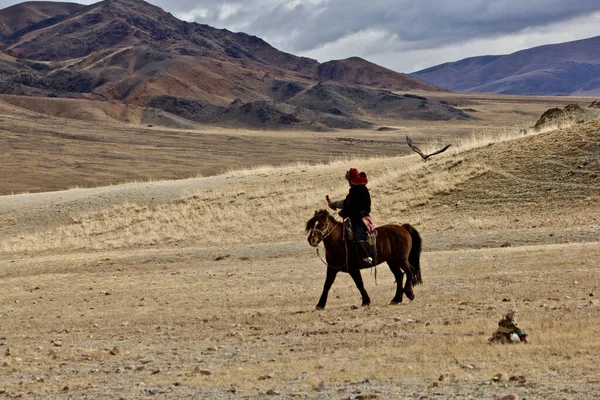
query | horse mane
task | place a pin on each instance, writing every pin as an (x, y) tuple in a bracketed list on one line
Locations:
[(318, 215)]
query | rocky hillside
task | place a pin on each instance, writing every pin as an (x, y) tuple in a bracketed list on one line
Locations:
[(20, 16), (319, 107), (571, 68)]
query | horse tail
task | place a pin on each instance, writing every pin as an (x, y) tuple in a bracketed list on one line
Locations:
[(414, 257)]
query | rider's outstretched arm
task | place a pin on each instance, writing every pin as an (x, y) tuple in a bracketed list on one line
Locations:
[(339, 204)]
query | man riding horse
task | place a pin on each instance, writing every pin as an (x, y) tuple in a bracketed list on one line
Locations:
[(356, 206)]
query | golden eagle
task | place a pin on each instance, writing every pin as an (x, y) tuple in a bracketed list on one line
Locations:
[(419, 152)]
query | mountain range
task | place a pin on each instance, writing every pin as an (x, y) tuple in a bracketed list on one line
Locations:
[(571, 68), (133, 52)]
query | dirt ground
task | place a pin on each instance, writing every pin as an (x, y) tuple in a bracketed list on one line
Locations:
[(239, 323), (188, 318)]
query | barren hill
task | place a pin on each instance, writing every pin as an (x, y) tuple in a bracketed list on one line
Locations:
[(24, 15), (356, 70), (541, 188), (133, 52), (571, 68), (350, 100)]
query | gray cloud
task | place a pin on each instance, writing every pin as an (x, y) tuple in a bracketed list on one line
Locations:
[(308, 27), (427, 23), (402, 34)]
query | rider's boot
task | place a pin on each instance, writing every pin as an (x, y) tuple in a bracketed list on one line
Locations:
[(366, 253)]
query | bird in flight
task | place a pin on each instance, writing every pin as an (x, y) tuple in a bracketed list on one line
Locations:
[(419, 152)]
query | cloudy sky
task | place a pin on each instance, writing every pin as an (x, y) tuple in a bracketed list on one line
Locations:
[(404, 36)]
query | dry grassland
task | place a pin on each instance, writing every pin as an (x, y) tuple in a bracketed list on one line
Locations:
[(79, 143), (205, 287)]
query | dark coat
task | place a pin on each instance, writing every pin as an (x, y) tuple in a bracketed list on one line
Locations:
[(357, 203)]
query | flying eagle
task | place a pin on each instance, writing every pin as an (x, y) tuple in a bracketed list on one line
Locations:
[(419, 152)]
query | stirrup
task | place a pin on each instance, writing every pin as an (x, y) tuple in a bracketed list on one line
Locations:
[(367, 261)]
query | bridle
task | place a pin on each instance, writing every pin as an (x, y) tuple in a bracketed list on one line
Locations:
[(324, 234)]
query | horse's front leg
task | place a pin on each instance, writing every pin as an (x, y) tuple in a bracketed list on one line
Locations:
[(331, 274), (356, 276)]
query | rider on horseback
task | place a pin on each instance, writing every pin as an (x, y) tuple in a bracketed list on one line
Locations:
[(356, 206)]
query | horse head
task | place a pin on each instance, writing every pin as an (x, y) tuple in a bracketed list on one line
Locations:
[(319, 227)]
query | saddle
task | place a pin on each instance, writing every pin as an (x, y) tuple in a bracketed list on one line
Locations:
[(371, 234)]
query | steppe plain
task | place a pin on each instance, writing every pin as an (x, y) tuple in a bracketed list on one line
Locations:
[(196, 280)]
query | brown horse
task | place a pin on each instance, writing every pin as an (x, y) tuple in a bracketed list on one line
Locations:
[(398, 245)]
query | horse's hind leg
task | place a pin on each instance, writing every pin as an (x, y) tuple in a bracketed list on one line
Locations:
[(399, 275), (356, 276), (408, 286)]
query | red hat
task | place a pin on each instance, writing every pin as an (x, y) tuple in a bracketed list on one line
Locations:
[(363, 178), (355, 177)]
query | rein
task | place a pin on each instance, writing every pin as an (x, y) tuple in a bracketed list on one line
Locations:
[(324, 236), (345, 266)]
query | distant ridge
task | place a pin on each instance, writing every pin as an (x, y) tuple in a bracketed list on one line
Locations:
[(356, 70), (571, 68)]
